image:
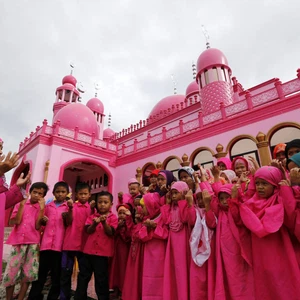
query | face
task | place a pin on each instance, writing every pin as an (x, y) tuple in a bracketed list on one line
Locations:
[(293, 151), (292, 165), (60, 194), (263, 188), (134, 189), (223, 175), (122, 213), (223, 197), (200, 200), (36, 195), (176, 196), (190, 182), (83, 195), (103, 204), (280, 156), (184, 176), (153, 179), (240, 169), (161, 180), (222, 166)]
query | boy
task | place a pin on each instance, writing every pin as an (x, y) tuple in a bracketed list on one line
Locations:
[(99, 246), (75, 236)]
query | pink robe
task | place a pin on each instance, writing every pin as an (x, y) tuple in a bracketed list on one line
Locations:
[(153, 262), (132, 287), (202, 278), (119, 260), (179, 219)]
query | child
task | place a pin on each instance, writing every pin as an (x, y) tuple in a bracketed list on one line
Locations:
[(279, 152), (51, 245), (25, 239), (154, 234), (153, 187), (292, 148), (99, 246), (224, 163), (122, 246), (179, 215), (275, 268), (75, 236)]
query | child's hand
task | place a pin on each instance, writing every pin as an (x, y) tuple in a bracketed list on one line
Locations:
[(168, 198), (243, 177), (42, 203), (215, 171), (92, 204), (196, 177), (206, 196), (163, 188), (285, 182), (44, 220), (142, 190), (22, 203), (97, 220), (121, 222), (70, 203), (103, 218), (151, 187), (127, 212), (189, 197), (23, 180), (150, 224), (234, 191), (295, 176)]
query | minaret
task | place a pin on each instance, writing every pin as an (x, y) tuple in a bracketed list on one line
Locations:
[(213, 78), (66, 93)]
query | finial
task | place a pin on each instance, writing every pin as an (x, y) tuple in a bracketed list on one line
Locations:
[(72, 65), (80, 87), (206, 35), (194, 70), (109, 119), (97, 88), (174, 83)]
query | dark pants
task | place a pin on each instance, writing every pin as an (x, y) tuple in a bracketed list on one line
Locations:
[(49, 261), (99, 266), (67, 264)]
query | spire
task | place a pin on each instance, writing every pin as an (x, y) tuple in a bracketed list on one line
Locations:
[(72, 65), (206, 35), (174, 83), (97, 88), (109, 119), (194, 70)]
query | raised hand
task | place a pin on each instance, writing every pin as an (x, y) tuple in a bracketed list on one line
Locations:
[(234, 191), (168, 198), (8, 162), (42, 203), (189, 197), (92, 204), (142, 190), (70, 203), (206, 196), (103, 218), (285, 182), (215, 171), (23, 180), (96, 220)]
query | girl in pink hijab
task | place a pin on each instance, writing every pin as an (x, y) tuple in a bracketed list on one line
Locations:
[(179, 215), (275, 268), (224, 163), (154, 234)]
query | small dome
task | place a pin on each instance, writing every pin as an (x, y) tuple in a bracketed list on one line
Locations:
[(95, 105), (166, 103), (69, 79), (211, 57), (192, 88), (108, 133), (77, 114)]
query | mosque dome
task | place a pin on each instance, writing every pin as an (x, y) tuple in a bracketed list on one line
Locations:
[(95, 105), (77, 114), (192, 88), (166, 103), (108, 133), (211, 57), (70, 79)]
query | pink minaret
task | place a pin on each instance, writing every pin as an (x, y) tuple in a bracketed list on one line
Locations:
[(66, 93), (214, 80)]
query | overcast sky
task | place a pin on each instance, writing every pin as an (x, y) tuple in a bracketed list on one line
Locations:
[(130, 48)]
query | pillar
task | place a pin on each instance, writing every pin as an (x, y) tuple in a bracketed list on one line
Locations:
[(263, 149)]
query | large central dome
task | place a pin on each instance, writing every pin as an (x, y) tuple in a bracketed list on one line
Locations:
[(166, 103), (77, 115)]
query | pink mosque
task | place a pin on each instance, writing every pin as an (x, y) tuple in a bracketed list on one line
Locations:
[(216, 117)]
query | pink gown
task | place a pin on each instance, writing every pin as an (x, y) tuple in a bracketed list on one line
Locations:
[(179, 218)]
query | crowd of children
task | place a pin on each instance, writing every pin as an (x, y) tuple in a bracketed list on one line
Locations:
[(232, 232)]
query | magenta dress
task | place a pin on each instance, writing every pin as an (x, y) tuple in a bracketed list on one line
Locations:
[(179, 218)]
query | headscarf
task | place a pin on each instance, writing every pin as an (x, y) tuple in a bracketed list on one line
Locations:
[(125, 205), (264, 216), (169, 176), (155, 172), (190, 171), (238, 160), (229, 174), (132, 180), (295, 158), (180, 186), (278, 148), (152, 203), (226, 161), (291, 144), (225, 188)]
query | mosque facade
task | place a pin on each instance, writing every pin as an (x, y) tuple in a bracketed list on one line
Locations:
[(216, 117)]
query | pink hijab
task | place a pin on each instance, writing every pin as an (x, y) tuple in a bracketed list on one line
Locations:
[(152, 203), (226, 161), (229, 174), (240, 159), (180, 186), (264, 216)]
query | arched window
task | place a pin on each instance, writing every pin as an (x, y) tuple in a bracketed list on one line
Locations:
[(244, 147), (173, 165), (205, 158)]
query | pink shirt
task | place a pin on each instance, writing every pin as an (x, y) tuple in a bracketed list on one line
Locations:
[(54, 232), (99, 243), (76, 236), (25, 232)]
